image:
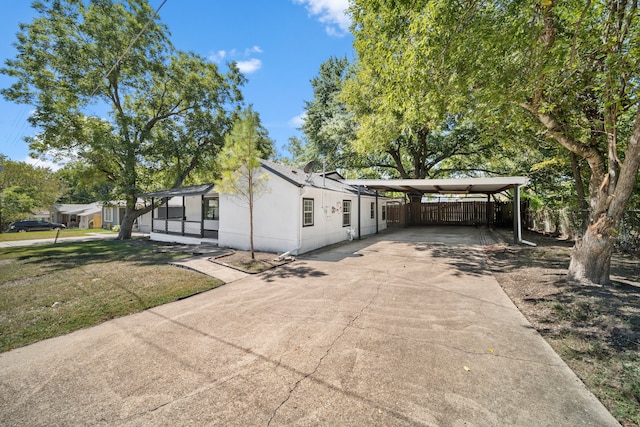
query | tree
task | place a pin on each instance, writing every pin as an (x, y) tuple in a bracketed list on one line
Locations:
[(168, 110), (574, 70), (241, 175), (571, 69), (406, 104), (328, 126), (25, 189), (84, 184)]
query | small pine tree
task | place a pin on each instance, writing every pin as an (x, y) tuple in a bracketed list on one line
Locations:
[(239, 162)]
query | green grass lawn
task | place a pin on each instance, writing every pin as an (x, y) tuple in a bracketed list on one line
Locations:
[(50, 290), (33, 235)]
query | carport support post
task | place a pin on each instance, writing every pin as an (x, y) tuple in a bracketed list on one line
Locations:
[(517, 223), (377, 230), (359, 211)]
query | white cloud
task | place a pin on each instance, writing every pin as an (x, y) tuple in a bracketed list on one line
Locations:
[(330, 12), (42, 163), (249, 66), (218, 56), (298, 120), (252, 50), (245, 59)]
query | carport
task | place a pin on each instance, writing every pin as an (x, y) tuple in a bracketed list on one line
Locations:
[(453, 186)]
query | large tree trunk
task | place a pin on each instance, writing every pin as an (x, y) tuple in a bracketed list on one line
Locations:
[(126, 226), (591, 255)]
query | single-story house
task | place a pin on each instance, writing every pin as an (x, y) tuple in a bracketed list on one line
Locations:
[(113, 215), (299, 212), (81, 216)]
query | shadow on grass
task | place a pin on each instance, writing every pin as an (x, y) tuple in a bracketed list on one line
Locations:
[(591, 308), (62, 256)]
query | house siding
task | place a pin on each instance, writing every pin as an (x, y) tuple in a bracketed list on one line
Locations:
[(276, 219)]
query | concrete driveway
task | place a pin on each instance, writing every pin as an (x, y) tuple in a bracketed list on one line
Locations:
[(405, 328)]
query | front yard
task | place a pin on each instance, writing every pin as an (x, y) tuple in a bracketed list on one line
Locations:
[(51, 290), (33, 235)]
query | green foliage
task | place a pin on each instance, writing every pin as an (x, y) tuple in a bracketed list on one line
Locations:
[(84, 184), (410, 99), (328, 127), (25, 189), (240, 158), (241, 175), (168, 110)]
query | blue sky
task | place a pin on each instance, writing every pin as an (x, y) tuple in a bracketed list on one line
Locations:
[(278, 44)]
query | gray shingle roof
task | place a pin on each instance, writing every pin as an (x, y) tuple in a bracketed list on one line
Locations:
[(300, 178)]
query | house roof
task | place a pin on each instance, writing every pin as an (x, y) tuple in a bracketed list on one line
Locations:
[(195, 190), (300, 178), (78, 209), (443, 186)]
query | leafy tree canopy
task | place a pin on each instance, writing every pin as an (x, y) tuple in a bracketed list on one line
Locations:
[(25, 190), (168, 111)]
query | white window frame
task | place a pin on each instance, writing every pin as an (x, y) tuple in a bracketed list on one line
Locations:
[(108, 215), (346, 213), (216, 209), (306, 211)]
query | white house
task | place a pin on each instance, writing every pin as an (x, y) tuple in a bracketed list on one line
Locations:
[(113, 215), (298, 212), (82, 216)]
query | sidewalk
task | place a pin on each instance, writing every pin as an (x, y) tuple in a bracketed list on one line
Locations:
[(403, 329), (86, 238)]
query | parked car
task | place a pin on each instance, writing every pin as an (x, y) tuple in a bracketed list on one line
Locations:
[(34, 225)]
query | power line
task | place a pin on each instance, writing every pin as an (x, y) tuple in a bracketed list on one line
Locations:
[(129, 47)]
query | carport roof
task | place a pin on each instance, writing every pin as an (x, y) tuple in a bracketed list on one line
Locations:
[(442, 186)]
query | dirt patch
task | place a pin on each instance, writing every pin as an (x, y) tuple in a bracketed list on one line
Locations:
[(595, 329), (241, 260)]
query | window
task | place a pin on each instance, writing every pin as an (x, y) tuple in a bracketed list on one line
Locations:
[(108, 215), (212, 208), (384, 212), (346, 213), (373, 210), (307, 212)]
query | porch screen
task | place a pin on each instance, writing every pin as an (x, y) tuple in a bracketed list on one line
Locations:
[(211, 208)]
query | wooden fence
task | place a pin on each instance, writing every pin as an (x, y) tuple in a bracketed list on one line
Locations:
[(451, 213)]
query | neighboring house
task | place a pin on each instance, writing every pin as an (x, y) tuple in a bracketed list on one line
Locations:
[(113, 214), (81, 216), (298, 213)]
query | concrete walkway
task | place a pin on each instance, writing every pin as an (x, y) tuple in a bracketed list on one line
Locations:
[(204, 266), (404, 329)]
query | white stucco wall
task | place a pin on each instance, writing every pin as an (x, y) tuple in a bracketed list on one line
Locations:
[(278, 219), (327, 228), (144, 223), (275, 221)]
